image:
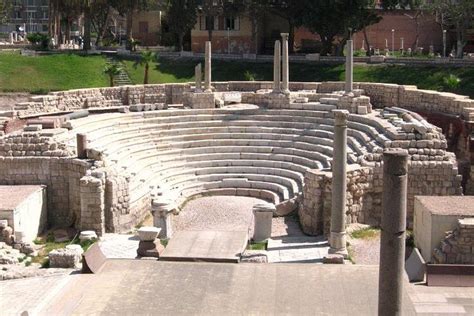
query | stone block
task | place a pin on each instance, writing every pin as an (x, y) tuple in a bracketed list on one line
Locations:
[(362, 109), (150, 249), (333, 259), (69, 257), (87, 235), (148, 233), (415, 266), (263, 214)]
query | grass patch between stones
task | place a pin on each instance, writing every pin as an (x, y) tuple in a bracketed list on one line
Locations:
[(366, 233), (257, 246)]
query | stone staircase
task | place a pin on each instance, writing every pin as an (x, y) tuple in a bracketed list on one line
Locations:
[(122, 79), (263, 153)]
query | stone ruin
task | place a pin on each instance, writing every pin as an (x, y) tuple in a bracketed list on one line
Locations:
[(153, 147)]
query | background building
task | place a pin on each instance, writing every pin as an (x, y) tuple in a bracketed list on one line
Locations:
[(32, 14)]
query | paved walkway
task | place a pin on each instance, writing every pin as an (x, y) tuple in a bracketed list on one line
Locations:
[(117, 246), (206, 245), (173, 288), (31, 294), (137, 287)]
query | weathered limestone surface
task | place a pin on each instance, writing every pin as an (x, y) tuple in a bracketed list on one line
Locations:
[(458, 245), (69, 257)]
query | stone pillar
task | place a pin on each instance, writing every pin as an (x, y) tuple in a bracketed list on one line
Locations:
[(198, 75), (263, 214), (92, 197), (337, 238), (81, 140), (162, 211), (349, 66), (11, 38), (392, 240), (285, 81), (277, 67), (207, 69)]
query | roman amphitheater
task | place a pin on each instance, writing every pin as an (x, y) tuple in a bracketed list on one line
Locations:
[(110, 156), (151, 148)]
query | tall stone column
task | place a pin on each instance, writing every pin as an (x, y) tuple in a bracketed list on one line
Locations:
[(337, 239), (349, 66), (198, 76), (392, 240), (277, 67), (207, 69), (285, 81)]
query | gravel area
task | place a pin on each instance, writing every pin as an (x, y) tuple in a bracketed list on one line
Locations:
[(365, 251), (230, 213)]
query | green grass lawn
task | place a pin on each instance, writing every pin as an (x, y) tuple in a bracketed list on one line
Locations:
[(61, 72), (39, 74)]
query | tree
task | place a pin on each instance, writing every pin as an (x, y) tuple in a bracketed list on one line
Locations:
[(292, 11), (100, 13), (181, 17), (127, 8), (337, 19), (456, 15), (146, 58), (112, 70), (5, 7)]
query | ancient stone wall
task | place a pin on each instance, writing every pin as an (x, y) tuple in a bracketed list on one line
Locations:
[(92, 196), (381, 95), (60, 175), (34, 144), (458, 246), (364, 192)]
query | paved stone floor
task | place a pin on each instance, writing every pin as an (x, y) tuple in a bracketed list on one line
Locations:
[(17, 296), (126, 287), (298, 249), (118, 246), (206, 245), (141, 287)]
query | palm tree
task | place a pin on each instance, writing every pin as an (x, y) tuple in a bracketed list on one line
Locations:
[(146, 58), (112, 70)]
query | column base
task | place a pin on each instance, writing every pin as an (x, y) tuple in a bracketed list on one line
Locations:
[(285, 91), (341, 251)]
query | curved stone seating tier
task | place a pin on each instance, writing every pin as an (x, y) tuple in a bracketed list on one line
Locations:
[(182, 153)]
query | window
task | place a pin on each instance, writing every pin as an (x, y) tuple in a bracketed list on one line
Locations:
[(232, 24), (209, 23)]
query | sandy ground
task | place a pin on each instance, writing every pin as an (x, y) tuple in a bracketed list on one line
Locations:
[(7, 100), (230, 213), (364, 251)]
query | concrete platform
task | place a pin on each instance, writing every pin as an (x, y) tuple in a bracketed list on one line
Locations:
[(206, 245), (144, 287)]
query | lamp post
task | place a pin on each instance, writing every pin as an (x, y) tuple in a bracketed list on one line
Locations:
[(444, 43), (393, 41)]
